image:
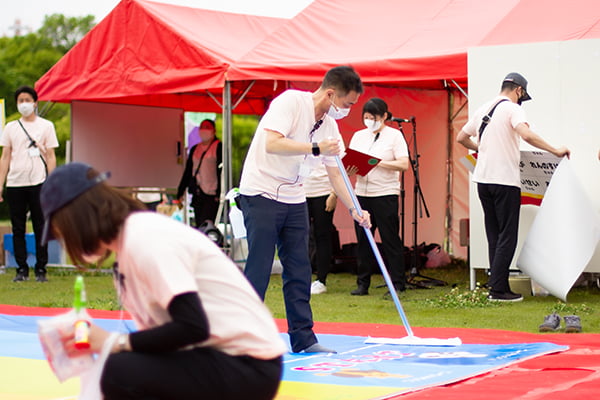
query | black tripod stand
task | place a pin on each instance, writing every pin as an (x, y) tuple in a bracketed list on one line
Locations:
[(415, 279)]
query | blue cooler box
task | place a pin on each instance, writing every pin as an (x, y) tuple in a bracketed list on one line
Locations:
[(55, 253)]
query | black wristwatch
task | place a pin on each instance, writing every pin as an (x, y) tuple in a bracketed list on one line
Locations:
[(315, 149)]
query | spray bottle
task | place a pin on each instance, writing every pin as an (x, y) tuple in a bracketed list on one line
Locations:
[(236, 217), (82, 324)]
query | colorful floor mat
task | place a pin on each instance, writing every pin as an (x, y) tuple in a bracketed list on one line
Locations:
[(359, 371)]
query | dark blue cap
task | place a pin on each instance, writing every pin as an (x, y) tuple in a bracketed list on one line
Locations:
[(63, 185), (520, 80)]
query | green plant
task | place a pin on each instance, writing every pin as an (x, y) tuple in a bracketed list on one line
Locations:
[(458, 298), (563, 308)]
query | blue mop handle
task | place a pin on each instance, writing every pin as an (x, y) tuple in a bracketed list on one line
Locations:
[(386, 275), (384, 272)]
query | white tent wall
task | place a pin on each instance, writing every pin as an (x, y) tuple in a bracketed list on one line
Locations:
[(564, 85), (138, 144)]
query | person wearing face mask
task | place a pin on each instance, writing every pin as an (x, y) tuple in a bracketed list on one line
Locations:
[(202, 174), (297, 132), (497, 127), (378, 192), (27, 158)]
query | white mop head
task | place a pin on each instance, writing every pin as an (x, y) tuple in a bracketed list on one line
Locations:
[(415, 341)]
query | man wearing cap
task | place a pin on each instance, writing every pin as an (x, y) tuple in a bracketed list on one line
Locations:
[(498, 126), (27, 159)]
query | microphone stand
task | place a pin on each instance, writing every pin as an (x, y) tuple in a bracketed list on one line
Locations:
[(415, 279)]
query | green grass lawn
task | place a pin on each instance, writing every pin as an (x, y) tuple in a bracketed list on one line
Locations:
[(435, 307)]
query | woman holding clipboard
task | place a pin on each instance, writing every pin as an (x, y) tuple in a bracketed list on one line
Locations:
[(378, 191)]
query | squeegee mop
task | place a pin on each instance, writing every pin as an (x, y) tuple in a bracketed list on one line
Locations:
[(411, 339)]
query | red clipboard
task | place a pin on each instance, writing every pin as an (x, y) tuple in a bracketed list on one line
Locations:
[(362, 161)]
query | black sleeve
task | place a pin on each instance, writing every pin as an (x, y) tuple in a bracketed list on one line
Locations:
[(189, 326), (187, 173)]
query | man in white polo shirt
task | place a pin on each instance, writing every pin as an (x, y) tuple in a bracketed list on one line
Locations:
[(297, 132), (27, 159), (498, 176)]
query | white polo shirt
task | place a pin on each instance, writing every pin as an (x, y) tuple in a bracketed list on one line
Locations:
[(25, 169), (160, 258), (389, 146), (280, 177), (499, 154)]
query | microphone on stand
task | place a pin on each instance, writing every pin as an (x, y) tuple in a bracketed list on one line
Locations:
[(401, 120)]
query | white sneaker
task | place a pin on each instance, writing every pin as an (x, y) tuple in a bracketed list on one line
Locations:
[(317, 288)]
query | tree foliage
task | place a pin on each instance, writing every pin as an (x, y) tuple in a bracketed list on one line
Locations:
[(24, 59), (64, 32)]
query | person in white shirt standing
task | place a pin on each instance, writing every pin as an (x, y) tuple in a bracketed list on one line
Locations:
[(378, 192), (297, 132), (27, 159), (497, 127)]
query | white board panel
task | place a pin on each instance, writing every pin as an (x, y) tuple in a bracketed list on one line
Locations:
[(138, 144), (564, 85)]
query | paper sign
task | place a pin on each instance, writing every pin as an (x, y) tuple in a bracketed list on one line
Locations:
[(536, 169), (563, 235)]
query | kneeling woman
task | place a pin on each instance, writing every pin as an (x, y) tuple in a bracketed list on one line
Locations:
[(202, 330)]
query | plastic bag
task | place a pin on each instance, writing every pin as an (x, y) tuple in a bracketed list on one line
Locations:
[(437, 257), (63, 366)]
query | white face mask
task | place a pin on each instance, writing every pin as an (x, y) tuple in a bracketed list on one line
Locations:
[(26, 108), (92, 258), (338, 113), (372, 125)]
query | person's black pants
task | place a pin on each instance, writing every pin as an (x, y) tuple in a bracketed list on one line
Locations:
[(384, 217), (501, 206), (201, 373), (322, 226), (205, 208), (20, 200)]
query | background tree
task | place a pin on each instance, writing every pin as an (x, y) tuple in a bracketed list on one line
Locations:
[(64, 32)]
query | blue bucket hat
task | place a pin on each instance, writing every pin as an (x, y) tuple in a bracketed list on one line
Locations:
[(63, 185)]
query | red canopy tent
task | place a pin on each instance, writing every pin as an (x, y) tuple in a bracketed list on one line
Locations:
[(156, 54), (412, 54)]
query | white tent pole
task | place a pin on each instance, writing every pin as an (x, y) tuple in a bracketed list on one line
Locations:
[(226, 173)]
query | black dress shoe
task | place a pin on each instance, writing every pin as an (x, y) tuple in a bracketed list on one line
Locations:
[(360, 291)]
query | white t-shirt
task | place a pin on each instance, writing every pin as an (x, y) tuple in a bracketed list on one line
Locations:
[(317, 184), (27, 169), (160, 258), (499, 155), (389, 146), (280, 177)]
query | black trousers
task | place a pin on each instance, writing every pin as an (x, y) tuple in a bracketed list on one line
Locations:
[(205, 207), (20, 200), (501, 206), (384, 216), (201, 373), (322, 225)]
